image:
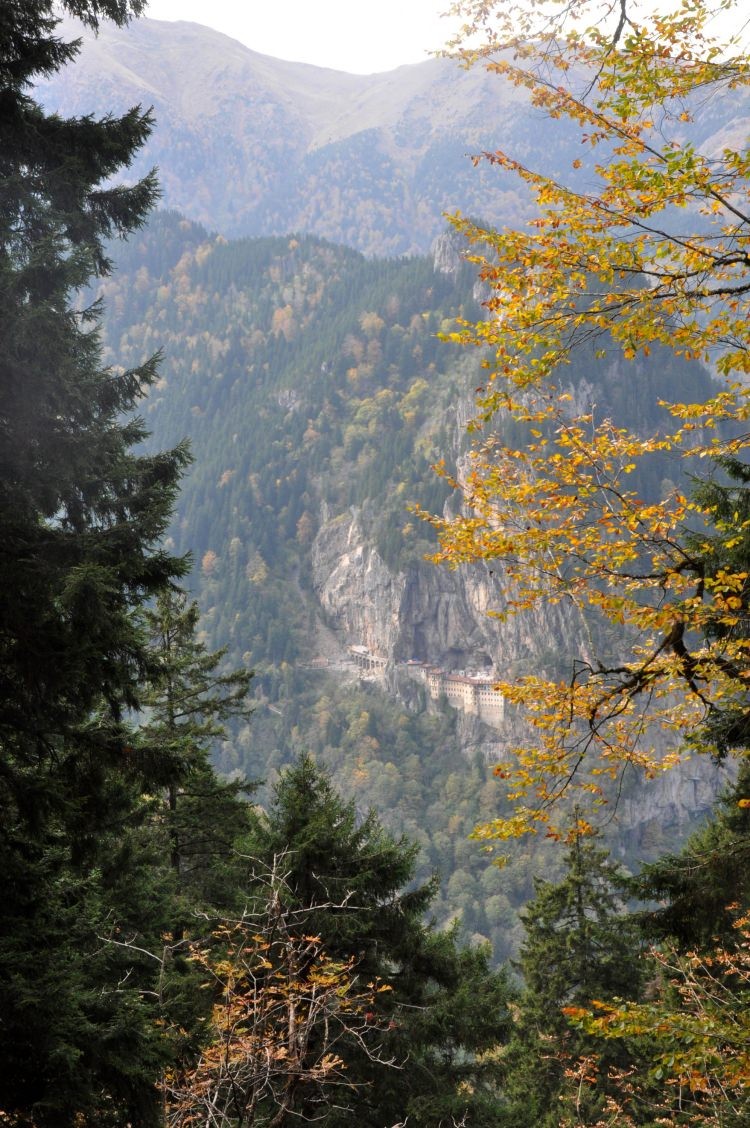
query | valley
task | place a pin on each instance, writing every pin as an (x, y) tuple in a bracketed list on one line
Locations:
[(375, 513), (317, 395), (308, 373)]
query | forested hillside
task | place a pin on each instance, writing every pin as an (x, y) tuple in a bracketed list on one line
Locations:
[(462, 539), (317, 395), (291, 359)]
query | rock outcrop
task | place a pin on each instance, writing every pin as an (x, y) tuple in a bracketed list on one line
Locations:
[(444, 618), (427, 613)]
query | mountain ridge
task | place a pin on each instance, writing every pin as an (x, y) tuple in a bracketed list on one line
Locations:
[(252, 145)]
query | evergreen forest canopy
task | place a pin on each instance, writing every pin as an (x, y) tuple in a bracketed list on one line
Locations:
[(171, 953)]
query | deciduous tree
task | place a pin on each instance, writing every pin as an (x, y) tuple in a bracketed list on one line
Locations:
[(638, 248), (285, 1017), (696, 1023)]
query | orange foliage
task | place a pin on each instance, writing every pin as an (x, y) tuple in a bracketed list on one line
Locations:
[(559, 518)]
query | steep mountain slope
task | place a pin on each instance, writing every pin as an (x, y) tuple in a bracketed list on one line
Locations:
[(252, 145), (316, 395)]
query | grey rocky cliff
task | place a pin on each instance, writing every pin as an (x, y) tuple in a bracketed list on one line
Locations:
[(443, 617), (446, 253), (427, 613), (356, 592), (666, 807)]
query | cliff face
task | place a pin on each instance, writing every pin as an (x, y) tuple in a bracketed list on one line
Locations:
[(426, 613), (356, 591), (667, 807), (443, 617)]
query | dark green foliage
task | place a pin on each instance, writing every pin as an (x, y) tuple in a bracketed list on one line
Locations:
[(81, 514), (408, 768), (580, 945), (578, 942), (77, 1035), (726, 546), (187, 702), (81, 517), (334, 857), (446, 1006), (697, 887)]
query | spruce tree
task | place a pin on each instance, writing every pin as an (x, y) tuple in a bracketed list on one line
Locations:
[(81, 513), (186, 704), (81, 517), (579, 945), (445, 1006), (717, 552), (702, 889)]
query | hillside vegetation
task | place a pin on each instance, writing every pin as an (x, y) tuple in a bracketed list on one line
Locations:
[(313, 385)]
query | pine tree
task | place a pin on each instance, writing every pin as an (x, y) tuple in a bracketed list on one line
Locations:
[(81, 516), (445, 1005), (579, 945)]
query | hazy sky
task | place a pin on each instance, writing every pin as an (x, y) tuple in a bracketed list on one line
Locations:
[(345, 34)]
